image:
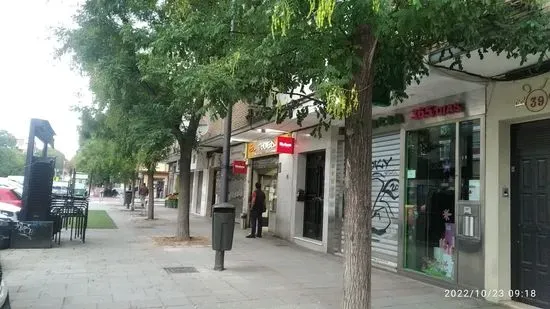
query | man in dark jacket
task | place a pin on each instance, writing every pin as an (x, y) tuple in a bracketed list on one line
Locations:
[(256, 210)]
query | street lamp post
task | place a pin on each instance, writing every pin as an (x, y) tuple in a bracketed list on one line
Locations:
[(220, 254)]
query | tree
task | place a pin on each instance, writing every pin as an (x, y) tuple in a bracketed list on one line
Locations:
[(112, 44), (153, 149), (162, 63), (100, 159), (354, 51), (12, 160), (59, 160)]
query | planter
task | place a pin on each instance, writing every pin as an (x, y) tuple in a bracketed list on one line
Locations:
[(173, 204)]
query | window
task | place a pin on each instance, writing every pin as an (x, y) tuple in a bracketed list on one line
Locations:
[(469, 158), (430, 201), (430, 193)]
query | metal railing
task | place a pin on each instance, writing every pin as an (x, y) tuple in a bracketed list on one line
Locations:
[(69, 213)]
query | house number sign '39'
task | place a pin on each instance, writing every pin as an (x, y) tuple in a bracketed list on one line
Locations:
[(536, 99)]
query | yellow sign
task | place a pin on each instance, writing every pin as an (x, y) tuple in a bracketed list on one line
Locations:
[(261, 148)]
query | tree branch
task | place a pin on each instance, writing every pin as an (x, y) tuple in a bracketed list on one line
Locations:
[(302, 95), (178, 134)]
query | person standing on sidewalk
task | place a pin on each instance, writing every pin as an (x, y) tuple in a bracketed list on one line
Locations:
[(256, 210), (143, 192)]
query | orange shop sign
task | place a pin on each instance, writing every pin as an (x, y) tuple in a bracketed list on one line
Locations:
[(263, 147)]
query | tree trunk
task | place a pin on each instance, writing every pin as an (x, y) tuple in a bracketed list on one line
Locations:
[(186, 141), (151, 206), (133, 192), (124, 194), (182, 231), (358, 208)]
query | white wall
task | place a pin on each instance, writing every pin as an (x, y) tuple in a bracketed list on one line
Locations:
[(206, 190), (195, 192), (295, 169), (501, 113), (286, 197)]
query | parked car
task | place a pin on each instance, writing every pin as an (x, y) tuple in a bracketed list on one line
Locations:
[(60, 188), (10, 211), (80, 190), (11, 196), (10, 183)]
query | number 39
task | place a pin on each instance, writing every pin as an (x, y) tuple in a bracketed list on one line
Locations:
[(538, 100)]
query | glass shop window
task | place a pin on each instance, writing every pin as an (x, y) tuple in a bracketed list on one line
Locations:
[(430, 201), (470, 150)]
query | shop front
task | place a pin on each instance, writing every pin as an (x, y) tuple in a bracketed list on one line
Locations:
[(518, 191), (263, 160), (442, 174), (236, 181), (172, 178), (386, 161)]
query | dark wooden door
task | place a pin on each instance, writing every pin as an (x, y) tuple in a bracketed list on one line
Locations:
[(315, 190), (530, 213)]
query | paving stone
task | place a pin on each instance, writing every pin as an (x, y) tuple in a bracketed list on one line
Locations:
[(80, 306), (175, 301), (123, 268), (114, 305)]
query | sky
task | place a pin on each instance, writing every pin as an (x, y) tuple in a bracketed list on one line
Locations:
[(32, 83)]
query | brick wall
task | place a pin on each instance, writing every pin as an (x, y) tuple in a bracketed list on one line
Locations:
[(239, 121)]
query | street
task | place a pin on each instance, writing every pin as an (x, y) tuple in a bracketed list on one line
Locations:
[(124, 268)]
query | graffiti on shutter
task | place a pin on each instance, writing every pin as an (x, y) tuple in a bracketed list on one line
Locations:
[(385, 198)]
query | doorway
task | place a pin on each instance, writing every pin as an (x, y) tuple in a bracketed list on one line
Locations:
[(265, 171), (315, 190), (530, 212)]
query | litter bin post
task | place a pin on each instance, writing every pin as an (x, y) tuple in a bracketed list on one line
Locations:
[(127, 198), (223, 226)]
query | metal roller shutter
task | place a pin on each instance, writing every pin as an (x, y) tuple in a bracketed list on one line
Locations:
[(385, 198)]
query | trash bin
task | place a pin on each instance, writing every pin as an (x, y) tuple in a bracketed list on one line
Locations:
[(223, 225), (127, 197), (6, 226)]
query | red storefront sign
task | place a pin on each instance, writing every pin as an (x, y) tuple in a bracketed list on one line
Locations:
[(285, 144), (436, 111), (239, 167)]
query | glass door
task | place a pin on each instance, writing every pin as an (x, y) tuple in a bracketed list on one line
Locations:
[(430, 201)]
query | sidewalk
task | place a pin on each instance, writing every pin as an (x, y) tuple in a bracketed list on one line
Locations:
[(123, 268)]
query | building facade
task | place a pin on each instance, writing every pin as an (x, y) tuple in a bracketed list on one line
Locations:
[(517, 255), (459, 190)]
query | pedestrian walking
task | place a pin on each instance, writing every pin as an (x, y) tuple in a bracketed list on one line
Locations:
[(257, 207), (143, 192), (159, 189)]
